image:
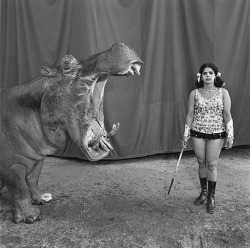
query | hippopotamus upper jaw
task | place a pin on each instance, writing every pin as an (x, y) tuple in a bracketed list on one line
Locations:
[(110, 63)]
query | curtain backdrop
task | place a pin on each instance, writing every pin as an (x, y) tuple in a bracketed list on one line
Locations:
[(172, 37)]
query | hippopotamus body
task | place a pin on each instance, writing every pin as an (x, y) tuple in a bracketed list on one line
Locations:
[(61, 104)]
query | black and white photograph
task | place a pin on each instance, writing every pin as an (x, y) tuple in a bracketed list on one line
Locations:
[(124, 123)]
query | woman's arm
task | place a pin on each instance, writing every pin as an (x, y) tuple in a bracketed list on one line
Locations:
[(228, 119), (189, 119), (190, 114), (227, 107)]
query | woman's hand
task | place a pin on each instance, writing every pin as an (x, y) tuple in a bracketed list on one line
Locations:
[(186, 136), (229, 143), (184, 141), (230, 134)]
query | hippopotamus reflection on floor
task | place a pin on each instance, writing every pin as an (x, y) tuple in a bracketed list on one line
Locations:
[(61, 104)]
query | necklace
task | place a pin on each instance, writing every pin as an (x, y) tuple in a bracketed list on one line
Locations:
[(210, 89)]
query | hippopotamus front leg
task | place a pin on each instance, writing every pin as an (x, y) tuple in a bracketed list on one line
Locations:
[(15, 181), (37, 196)]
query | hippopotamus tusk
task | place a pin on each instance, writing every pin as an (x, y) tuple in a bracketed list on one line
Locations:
[(114, 129)]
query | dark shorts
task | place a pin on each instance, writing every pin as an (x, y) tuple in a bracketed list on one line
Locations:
[(207, 136)]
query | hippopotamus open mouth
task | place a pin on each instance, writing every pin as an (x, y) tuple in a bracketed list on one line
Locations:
[(119, 60), (79, 97)]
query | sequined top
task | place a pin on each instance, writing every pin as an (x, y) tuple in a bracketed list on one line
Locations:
[(208, 113)]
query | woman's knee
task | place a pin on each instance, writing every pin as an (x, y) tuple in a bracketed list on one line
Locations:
[(202, 163), (212, 165)]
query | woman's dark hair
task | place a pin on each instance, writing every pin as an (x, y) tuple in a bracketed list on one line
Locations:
[(218, 82)]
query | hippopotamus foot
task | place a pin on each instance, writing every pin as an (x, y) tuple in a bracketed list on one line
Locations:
[(40, 198), (26, 212), (37, 196), (16, 182)]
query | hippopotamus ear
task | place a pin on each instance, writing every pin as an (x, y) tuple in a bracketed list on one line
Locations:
[(70, 66)]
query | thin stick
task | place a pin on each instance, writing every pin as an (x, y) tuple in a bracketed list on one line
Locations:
[(178, 163)]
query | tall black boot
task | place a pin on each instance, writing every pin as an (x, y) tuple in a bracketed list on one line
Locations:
[(203, 195), (210, 198)]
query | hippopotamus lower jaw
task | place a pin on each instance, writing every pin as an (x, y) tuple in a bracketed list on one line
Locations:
[(96, 144)]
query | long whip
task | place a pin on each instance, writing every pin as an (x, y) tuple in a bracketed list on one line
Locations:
[(178, 163)]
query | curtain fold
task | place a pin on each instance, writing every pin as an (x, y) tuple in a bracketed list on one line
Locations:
[(173, 38)]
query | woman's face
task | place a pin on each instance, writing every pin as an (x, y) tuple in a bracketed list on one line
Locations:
[(208, 75)]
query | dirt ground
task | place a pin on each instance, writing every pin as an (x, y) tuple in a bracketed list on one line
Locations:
[(125, 203)]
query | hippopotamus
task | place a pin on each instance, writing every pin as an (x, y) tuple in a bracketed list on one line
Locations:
[(61, 104)]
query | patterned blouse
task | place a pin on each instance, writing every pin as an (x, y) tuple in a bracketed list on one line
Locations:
[(208, 113)]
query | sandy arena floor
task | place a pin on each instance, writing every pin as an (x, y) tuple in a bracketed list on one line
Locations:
[(115, 204)]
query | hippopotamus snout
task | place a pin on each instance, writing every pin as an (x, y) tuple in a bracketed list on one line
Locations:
[(131, 64)]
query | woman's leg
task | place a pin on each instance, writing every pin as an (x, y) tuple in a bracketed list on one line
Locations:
[(213, 150), (199, 146)]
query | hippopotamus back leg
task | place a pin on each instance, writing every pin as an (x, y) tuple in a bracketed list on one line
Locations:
[(15, 181), (37, 196)]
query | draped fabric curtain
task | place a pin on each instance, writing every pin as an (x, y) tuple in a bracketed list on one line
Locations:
[(172, 37)]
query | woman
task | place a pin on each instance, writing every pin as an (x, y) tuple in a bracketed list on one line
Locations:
[(208, 122)]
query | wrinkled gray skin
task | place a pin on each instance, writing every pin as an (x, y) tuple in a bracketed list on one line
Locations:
[(37, 119)]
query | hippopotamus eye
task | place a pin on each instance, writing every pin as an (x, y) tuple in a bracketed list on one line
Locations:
[(66, 65)]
